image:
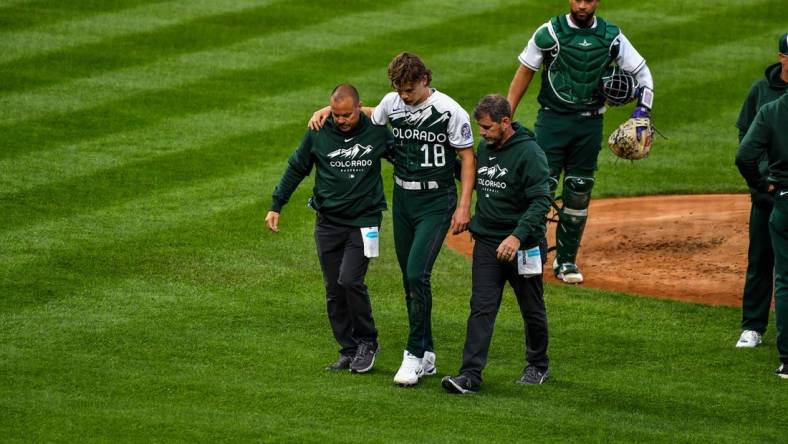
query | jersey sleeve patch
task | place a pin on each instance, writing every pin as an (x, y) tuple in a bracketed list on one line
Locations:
[(466, 132)]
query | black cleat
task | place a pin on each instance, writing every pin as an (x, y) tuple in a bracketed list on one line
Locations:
[(365, 357), (342, 363), (460, 384), (533, 375)]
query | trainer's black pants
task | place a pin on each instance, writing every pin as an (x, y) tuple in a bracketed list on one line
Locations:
[(489, 277), (759, 280), (341, 253), (778, 226)]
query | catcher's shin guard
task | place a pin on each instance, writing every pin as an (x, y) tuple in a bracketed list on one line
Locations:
[(572, 217)]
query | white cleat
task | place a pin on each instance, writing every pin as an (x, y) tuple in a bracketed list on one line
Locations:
[(749, 339), (410, 371), (567, 272), (428, 364)]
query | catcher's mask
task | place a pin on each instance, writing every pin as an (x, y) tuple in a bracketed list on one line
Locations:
[(617, 86)]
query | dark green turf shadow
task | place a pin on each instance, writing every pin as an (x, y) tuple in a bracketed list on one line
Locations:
[(20, 16), (140, 49)]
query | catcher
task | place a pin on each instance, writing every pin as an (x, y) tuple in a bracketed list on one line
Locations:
[(576, 51)]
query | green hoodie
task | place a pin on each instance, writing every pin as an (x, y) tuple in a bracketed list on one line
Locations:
[(767, 134), (763, 91), (348, 188), (769, 88), (512, 192)]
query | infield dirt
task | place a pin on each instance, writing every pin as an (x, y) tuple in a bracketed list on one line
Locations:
[(691, 248)]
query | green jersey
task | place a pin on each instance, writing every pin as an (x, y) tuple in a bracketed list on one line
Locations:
[(512, 191), (575, 59), (427, 136), (575, 64), (348, 187)]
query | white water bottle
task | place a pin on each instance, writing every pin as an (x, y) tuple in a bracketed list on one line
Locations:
[(371, 239)]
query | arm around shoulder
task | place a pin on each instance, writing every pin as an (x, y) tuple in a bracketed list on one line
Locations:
[(319, 118)]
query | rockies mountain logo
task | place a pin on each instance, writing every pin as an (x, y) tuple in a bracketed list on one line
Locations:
[(352, 152), (420, 117), (493, 172)]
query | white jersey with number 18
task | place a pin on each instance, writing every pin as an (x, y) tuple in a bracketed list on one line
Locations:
[(427, 135)]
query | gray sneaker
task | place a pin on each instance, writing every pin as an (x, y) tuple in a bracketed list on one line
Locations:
[(365, 357), (342, 363), (533, 375)]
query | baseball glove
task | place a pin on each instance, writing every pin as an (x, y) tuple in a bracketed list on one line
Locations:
[(632, 139)]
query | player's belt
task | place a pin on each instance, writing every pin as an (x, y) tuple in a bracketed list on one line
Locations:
[(417, 186), (596, 112)]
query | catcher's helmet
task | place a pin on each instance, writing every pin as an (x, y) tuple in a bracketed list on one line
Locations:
[(617, 86)]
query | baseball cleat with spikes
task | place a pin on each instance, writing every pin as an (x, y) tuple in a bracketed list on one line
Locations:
[(567, 272)]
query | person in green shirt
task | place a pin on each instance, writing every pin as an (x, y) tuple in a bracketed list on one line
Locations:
[(759, 280), (769, 134), (508, 227), (431, 130), (575, 50), (348, 198)]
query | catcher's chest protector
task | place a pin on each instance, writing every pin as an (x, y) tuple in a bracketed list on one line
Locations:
[(577, 62)]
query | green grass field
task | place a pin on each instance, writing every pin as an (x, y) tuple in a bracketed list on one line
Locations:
[(141, 299)]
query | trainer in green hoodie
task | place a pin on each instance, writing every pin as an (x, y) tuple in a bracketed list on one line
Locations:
[(759, 279), (348, 198), (768, 134), (512, 201)]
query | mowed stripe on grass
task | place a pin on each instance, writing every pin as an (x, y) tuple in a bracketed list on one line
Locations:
[(101, 27), (319, 32)]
